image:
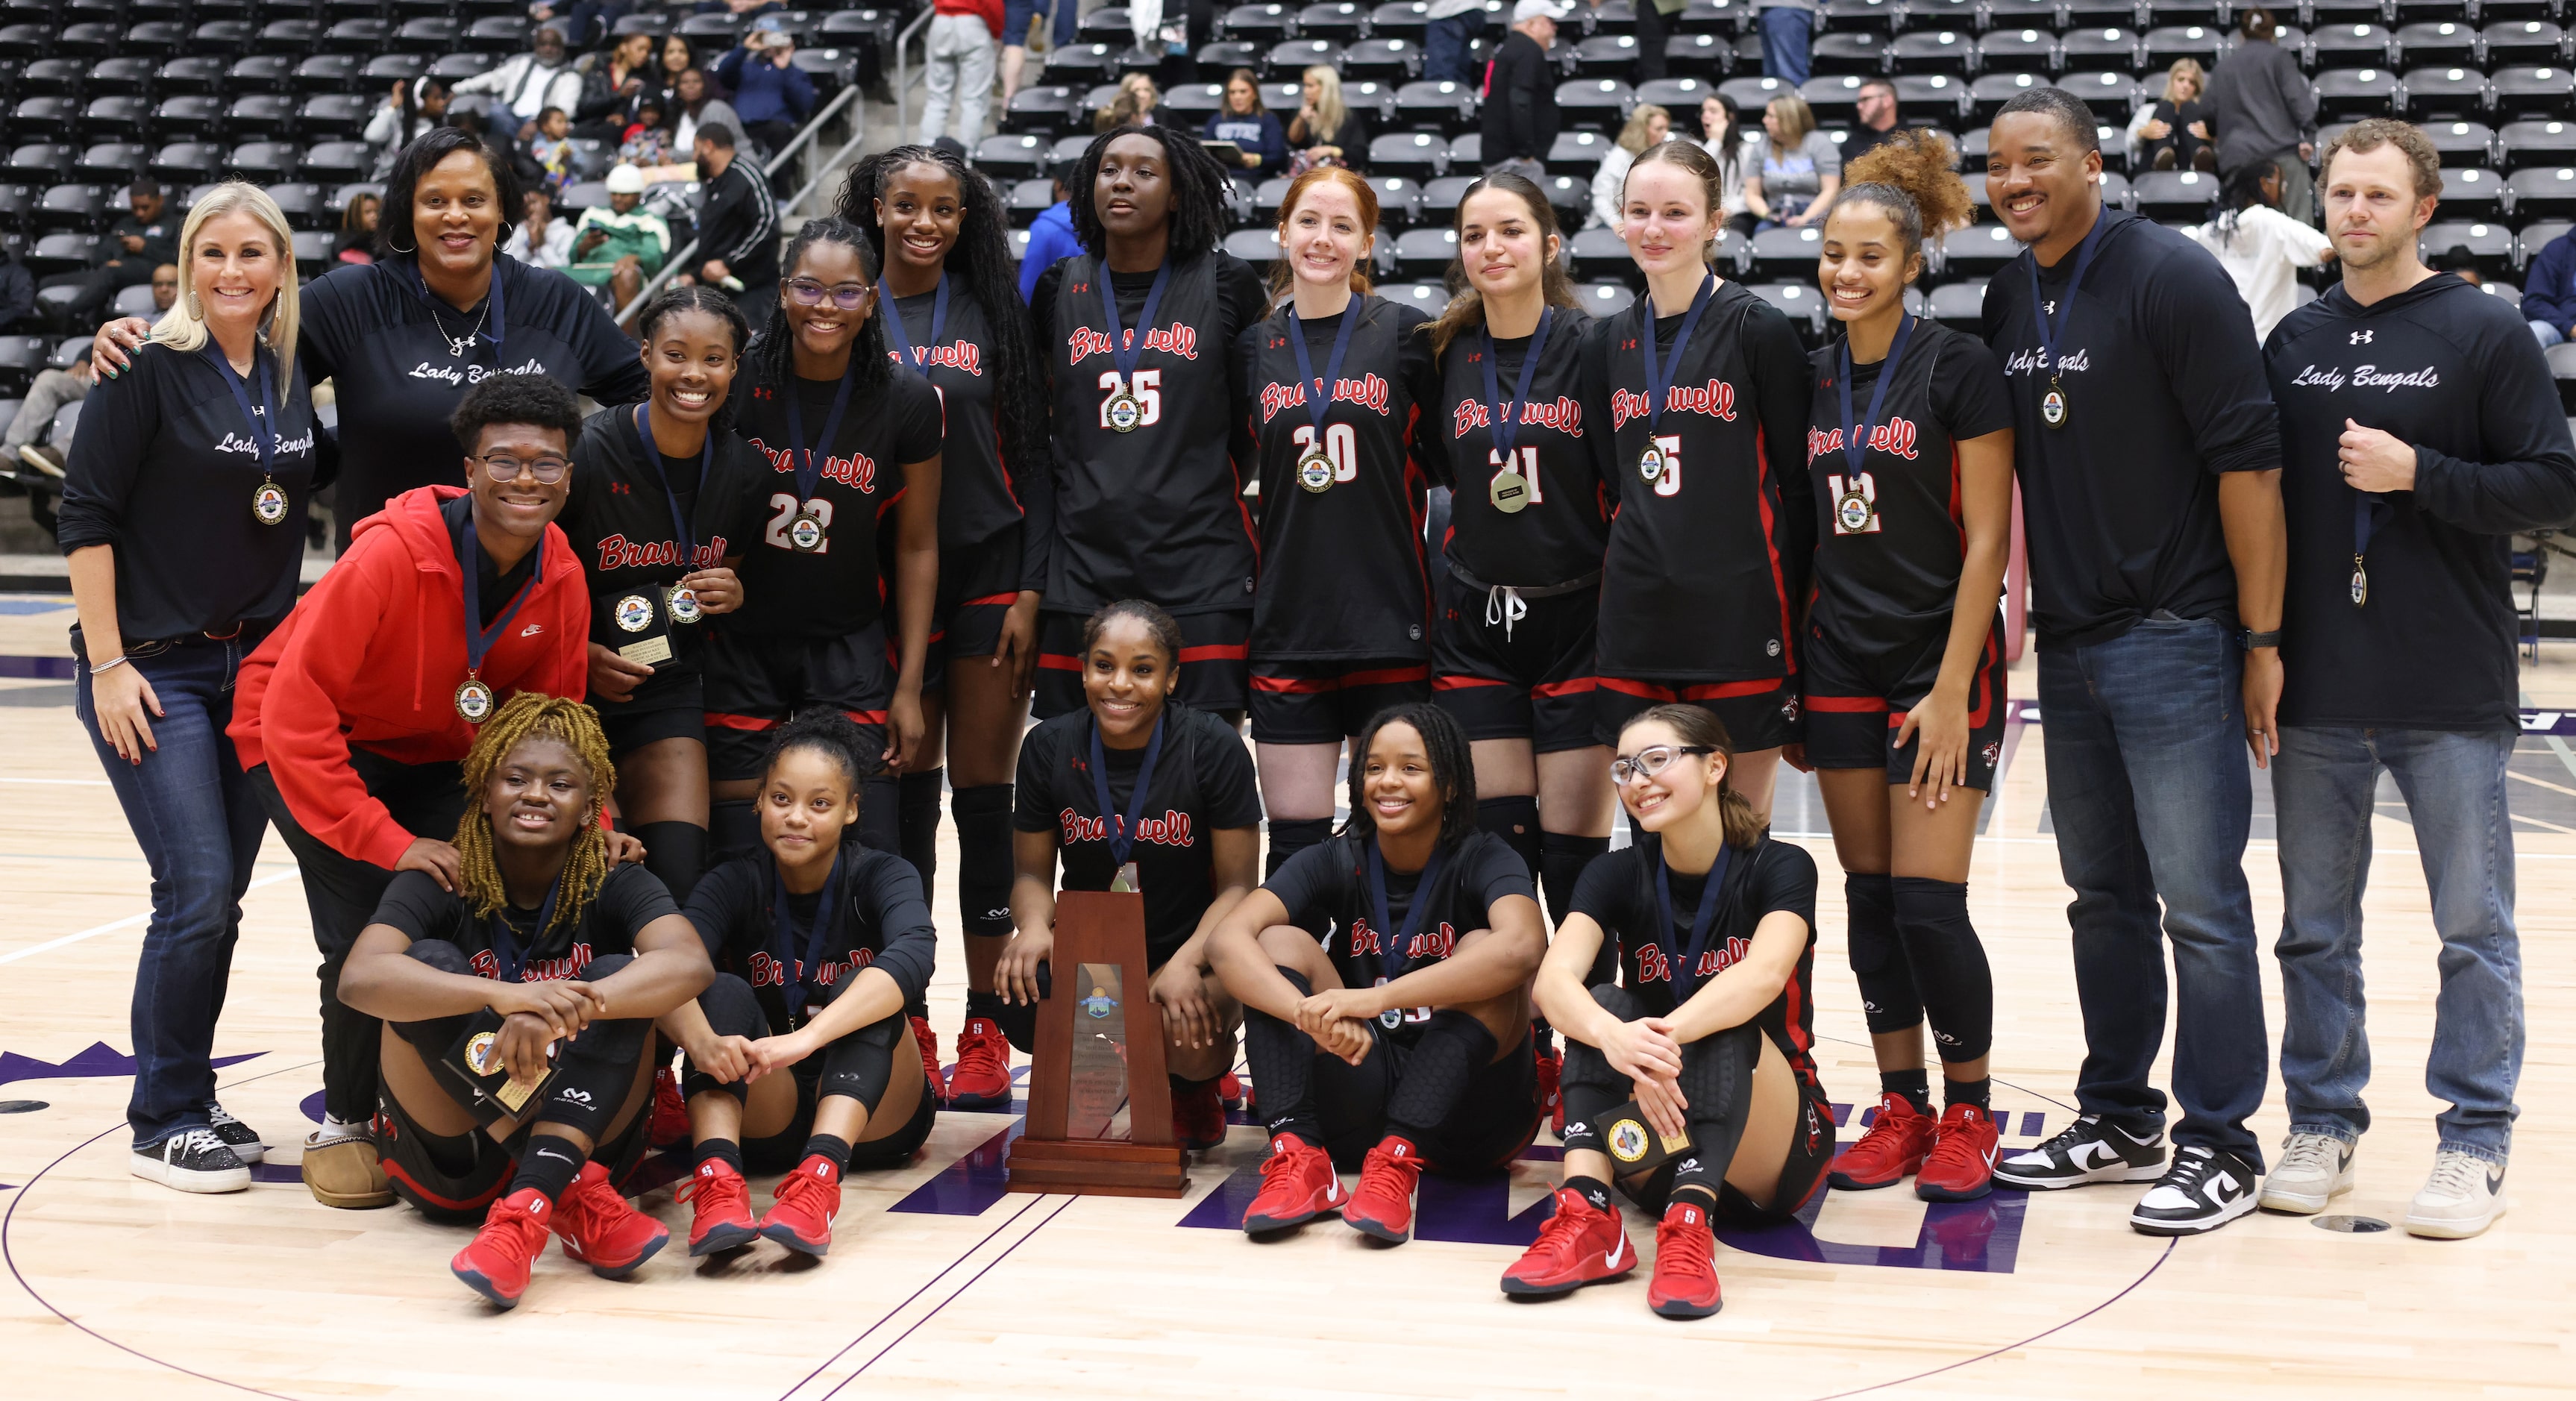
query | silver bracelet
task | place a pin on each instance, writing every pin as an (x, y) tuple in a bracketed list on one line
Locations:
[(110, 664)]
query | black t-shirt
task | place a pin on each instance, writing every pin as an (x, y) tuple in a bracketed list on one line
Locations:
[(1157, 512), (1560, 534), (163, 469), (834, 591), (1618, 892), (629, 898), (1326, 886), (878, 920), (977, 495), (1887, 571), (1342, 571), (1203, 784), (493, 588)]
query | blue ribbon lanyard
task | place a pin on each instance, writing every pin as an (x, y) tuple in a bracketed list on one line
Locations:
[(1319, 398), (809, 470), (903, 350), (1126, 348), (1685, 962), (262, 420), (1507, 414), (1659, 379), (801, 964), (505, 940), (681, 529), (1856, 441), (2049, 332), (1122, 829), (492, 328), (1391, 950), (478, 638), (2366, 509)]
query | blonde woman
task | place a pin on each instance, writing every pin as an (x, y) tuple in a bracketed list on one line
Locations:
[(1792, 170), (183, 518), (1649, 125), (2172, 132), (1326, 131), (1133, 106)]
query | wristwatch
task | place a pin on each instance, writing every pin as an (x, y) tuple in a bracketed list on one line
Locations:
[(2248, 639)]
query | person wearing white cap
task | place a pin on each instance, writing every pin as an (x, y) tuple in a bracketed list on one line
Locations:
[(1520, 92), (622, 243)]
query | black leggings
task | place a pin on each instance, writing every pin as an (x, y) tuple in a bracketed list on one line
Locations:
[(860, 1065), (1916, 955), (1466, 1110)]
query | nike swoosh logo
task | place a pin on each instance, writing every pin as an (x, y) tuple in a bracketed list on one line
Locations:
[(1611, 1260), (532, 629), (550, 1153), (2226, 1190)]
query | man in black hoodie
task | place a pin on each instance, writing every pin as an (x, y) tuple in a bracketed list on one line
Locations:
[(2419, 431), (1520, 92)]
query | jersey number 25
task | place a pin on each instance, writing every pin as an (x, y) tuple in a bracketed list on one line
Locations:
[(1149, 396)]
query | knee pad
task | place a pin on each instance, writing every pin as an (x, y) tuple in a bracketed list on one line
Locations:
[(731, 1009), (1561, 859), (983, 817), (1584, 1064), (1515, 820), (1290, 836), (733, 829), (1019, 1020), (1949, 965), (675, 852), (917, 819), (1887, 996), (861, 1064)]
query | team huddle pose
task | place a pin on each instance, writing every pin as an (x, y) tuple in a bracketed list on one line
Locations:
[(618, 741)]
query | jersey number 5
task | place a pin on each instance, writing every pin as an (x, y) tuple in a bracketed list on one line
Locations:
[(785, 507), (1523, 461), (1149, 396), (1340, 444), (1669, 481)]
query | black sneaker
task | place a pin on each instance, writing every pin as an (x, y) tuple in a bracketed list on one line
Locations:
[(2206, 1189), (191, 1160), (2088, 1150), (238, 1136)]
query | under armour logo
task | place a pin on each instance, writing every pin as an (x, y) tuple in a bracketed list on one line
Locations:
[(2361, 337)]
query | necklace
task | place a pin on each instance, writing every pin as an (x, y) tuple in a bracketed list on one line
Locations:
[(458, 345)]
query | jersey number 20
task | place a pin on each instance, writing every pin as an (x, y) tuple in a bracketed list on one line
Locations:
[(1340, 444)]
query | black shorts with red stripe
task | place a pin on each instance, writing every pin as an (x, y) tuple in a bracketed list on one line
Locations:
[(1761, 714), (1216, 668), (1297, 702), (666, 706), (1856, 704), (754, 683), (978, 583), (1510, 667)]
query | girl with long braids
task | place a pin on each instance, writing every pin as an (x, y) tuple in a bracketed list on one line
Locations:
[(952, 313), (1149, 453), (800, 1051), (664, 502), (545, 966)]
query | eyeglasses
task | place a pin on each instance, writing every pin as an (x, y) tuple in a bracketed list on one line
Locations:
[(1646, 763), (505, 468), (849, 296)]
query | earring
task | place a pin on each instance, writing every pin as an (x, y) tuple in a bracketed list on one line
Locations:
[(196, 308)]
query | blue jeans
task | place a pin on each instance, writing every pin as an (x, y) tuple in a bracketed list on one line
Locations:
[(2149, 790), (1016, 15), (2547, 334), (1786, 35), (199, 824), (1449, 48), (2454, 786)]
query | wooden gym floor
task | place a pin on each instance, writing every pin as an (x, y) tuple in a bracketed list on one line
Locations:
[(940, 1284)]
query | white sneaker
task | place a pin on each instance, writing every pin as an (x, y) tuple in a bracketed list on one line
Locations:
[(2463, 1197), (2313, 1168), (192, 1160)]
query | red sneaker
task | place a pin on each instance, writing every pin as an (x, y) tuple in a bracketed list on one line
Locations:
[(722, 1201), (1961, 1166), (1893, 1148), (601, 1230), (1581, 1244), (981, 1079), (1229, 1090), (495, 1263), (1685, 1283), (807, 1200), (1382, 1205), (1550, 1097), (670, 1126), (1298, 1184), (928, 1040), (1198, 1118)]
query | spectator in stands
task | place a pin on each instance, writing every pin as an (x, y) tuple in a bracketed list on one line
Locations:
[(2172, 132), (2459, 261), (540, 238), (1724, 136), (620, 244), (550, 151), (772, 95), (1520, 92), (2549, 291), (1449, 42), (745, 10), (698, 106), (1133, 106), (1017, 15), (1051, 238), (45, 398), (1795, 170), (413, 108), (737, 226), (165, 288), (648, 138), (2261, 247), (2261, 107), (1649, 125), (356, 242), (527, 84), (143, 239), (963, 47), (1326, 130), (1876, 110), (662, 80), (610, 83), (1246, 123), (1788, 29), (17, 293), (584, 22)]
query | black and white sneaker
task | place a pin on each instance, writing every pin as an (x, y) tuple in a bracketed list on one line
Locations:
[(191, 1160), (2088, 1150), (238, 1136), (2206, 1189)]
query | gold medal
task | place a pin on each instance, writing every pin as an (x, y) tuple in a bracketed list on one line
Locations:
[(474, 701), (2360, 583), (684, 605), (1125, 414), (2052, 407), (1854, 513), (1315, 471), (1509, 492), (1125, 882), (1650, 463), (268, 503), (806, 531), (634, 613)]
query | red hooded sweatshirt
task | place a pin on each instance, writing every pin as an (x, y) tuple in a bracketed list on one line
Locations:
[(373, 656)]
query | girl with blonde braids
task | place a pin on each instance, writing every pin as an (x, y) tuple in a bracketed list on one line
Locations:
[(547, 960)]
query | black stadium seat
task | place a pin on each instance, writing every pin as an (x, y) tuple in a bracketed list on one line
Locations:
[(111, 162), (1288, 60), (2445, 92), (336, 162), (1977, 251), (1578, 153), (1597, 102), (1988, 94), (81, 207), (1402, 18), (1936, 51), (2533, 89), (186, 162), (114, 117), (2460, 143), (1604, 299), (2356, 92), (1042, 108), (1011, 157), (1258, 24), (1384, 60), (1426, 253), (1341, 21), (58, 252), (2017, 50), (2169, 43), (260, 114), (2547, 191), (2472, 194), (1863, 52), (2441, 43), (2530, 143), (1700, 55), (181, 117), (2174, 195), (265, 162), (1679, 96), (1259, 247), (2492, 245), (2525, 41), (1441, 103), (1787, 254), (1421, 155), (335, 115), (2092, 49), (42, 162)]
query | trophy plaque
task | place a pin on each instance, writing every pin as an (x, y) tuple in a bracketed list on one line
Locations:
[(1100, 1109)]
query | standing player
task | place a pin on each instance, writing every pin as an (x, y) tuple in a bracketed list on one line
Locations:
[(1141, 792), (1148, 475), (663, 504), (1704, 388), (1406, 1042), (1340, 384), (800, 1051), (953, 314), (1911, 448)]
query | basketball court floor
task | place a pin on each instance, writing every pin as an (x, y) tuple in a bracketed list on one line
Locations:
[(940, 1283)]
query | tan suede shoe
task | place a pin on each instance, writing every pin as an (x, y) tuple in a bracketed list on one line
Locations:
[(346, 1174)]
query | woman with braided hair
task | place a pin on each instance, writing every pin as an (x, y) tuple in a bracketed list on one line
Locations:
[(510, 978)]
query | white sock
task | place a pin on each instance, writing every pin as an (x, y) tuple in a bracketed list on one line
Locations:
[(335, 1130)]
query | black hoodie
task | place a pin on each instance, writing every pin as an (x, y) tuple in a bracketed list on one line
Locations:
[(17, 294)]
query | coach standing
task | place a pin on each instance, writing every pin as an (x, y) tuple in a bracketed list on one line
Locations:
[(2150, 471), (2420, 429)]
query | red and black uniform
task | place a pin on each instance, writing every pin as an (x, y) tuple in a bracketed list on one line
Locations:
[(1890, 545), (1341, 620), (1707, 562), (1512, 648), (1156, 512)]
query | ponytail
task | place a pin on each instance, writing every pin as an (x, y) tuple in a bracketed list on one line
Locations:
[(1700, 728)]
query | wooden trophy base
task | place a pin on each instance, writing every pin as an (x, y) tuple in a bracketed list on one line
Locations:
[(1098, 1168)]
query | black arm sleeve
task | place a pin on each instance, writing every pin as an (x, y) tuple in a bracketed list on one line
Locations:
[(2200, 330), (2528, 480), (1782, 392), (118, 422), (892, 894)]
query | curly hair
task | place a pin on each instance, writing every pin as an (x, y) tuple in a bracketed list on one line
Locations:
[(1199, 189), (1453, 768), (1466, 310), (830, 733), (522, 717), (536, 400), (773, 355), (714, 302), (981, 258), (1914, 176)]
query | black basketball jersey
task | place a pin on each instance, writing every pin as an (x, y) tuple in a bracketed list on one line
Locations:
[(871, 915), (629, 898), (1202, 784), (1327, 887), (1559, 534), (834, 590), (1342, 572), (977, 499), (1889, 545), (618, 520), (1156, 512), (1707, 563)]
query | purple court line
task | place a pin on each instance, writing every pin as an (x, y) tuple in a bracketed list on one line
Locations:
[(969, 1284), (2161, 1258), (924, 1289), (11, 1216)]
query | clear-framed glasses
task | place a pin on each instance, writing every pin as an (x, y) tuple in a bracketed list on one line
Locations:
[(848, 296), (505, 468), (1650, 761)]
